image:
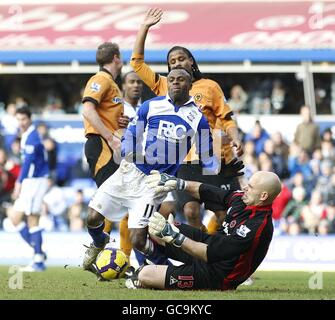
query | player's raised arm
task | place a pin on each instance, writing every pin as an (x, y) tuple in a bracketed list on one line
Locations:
[(153, 16), (149, 77)]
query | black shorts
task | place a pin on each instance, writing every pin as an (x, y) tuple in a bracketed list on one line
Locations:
[(224, 183), (191, 172), (194, 274), (100, 158), (194, 172)]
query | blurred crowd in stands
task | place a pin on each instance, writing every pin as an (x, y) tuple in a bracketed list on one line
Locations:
[(253, 93), (306, 166)]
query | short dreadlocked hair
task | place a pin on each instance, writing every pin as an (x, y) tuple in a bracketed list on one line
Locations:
[(196, 73)]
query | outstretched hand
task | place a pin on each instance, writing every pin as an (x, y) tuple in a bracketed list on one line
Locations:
[(233, 169), (238, 147), (163, 182), (165, 229), (152, 17)]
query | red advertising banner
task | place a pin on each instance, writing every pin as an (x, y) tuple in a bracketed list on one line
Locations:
[(240, 25)]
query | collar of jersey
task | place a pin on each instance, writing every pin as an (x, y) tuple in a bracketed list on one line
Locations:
[(259, 208), (189, 101), (105, 70), (26, 134)]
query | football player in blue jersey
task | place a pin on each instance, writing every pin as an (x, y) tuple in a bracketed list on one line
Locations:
[(172, 123), (30, 188)]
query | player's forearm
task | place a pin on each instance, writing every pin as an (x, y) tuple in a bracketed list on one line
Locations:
[(195, 249), (233, 133), (192, 187), (140, 40), (93, 118)]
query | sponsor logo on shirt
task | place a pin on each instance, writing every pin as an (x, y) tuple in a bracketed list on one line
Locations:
[(242, 231), (168, 130), (117, 100), (95, 87)]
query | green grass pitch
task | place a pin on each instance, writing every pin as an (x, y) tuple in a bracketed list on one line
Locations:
[(61, 284)]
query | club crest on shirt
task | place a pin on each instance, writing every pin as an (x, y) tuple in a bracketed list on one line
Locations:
[(95, 87), (232, 224), (197, 97)]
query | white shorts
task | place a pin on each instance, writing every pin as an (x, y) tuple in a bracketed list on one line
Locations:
[(31, 196), (169, 197), (126, 192)]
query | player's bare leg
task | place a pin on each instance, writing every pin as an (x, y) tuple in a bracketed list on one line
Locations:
[(138, 238), (108, 226), (152, 276), (192, 214), (216, 221), (143, 243), (125, 240), (166, 208), (149, 276)]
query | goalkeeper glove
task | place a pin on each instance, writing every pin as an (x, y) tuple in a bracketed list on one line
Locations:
[(233, 169), (163, 182), (165, 230)]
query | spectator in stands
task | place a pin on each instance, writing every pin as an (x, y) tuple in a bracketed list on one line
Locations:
[(264, 162), (331, 217), (324, 227), (54, 106), (307, 134), (50, 146), (258, 136), (78, 106), (292, 211), (14, 153), (300, 163), (315, 163), (6, 186), (280, 146), (328, 191), (238, 99), (279, 205), (20, 102), (298, 180), (328, 150), (9, 174), (323, 183), (278, 95), (9, 125), (77, 212), (250, 159), (313, 213), (327, 135), (279, 163), (55, 205)]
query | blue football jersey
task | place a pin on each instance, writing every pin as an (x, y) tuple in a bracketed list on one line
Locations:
[(164, 134), (33, 155)]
